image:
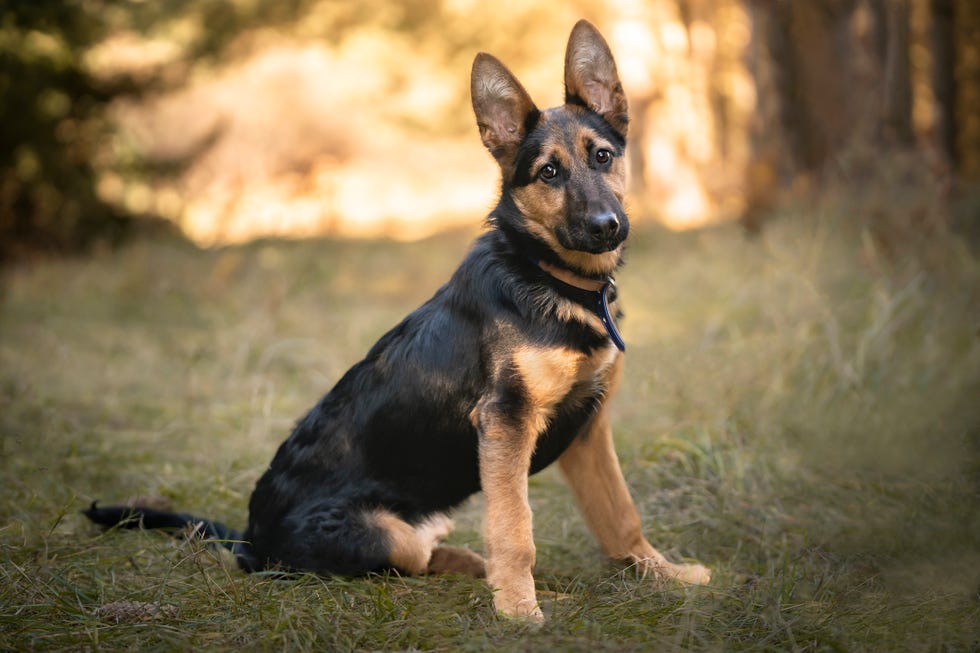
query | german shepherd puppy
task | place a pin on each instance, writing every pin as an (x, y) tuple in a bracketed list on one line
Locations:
[(508, 368)]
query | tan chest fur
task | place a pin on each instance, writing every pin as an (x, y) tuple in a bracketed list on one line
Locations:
[(549, 375)]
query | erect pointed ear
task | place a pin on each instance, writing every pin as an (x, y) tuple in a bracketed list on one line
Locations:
[(591, 79), (504, 110)]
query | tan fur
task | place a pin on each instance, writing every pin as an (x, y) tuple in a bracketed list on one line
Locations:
[(544, 205), (457, 560), (543, 212), (505, 457), (605, 263), (411, 546), (568, 311), (548, 375)]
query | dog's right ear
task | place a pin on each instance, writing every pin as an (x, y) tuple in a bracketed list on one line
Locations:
[(504, 110)]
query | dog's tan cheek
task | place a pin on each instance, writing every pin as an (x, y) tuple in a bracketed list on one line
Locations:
[(617, 178), (541, 204)]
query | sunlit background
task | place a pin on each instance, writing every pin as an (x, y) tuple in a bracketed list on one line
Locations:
[(235, 119), (361, 125)]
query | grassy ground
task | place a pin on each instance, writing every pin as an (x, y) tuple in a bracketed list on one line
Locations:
[(796, 414)]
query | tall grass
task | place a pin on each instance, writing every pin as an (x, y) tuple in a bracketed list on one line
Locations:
[(797, 413)]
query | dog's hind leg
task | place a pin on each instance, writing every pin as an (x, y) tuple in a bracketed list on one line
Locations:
[(414, 549), (411, 548)]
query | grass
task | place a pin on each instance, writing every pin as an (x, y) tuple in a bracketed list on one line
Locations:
[(796, 414)]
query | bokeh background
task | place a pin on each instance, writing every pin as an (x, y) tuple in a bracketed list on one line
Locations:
[(237, 119)]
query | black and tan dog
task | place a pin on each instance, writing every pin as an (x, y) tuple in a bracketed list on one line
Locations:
[(508, 368)]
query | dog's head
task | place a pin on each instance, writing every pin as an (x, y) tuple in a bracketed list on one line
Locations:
[(563, 169)]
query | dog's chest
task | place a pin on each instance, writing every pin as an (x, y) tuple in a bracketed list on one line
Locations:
[(549, 375), (580, 395)]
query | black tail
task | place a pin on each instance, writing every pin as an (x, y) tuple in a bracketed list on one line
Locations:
[(142, 517)]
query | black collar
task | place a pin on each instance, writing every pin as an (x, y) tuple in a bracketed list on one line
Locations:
[(590, 293)]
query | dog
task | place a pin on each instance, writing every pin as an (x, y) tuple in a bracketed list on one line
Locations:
[(508, 368)]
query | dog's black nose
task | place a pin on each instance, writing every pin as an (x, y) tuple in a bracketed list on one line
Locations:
[(603, 225)]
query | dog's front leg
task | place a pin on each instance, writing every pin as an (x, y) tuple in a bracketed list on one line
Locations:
[(505, 457), (592, 470)]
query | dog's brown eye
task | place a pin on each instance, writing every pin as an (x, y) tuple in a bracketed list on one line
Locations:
[(603, 156), (549, 171)]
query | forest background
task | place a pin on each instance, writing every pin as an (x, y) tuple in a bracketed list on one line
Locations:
[(235, 119)]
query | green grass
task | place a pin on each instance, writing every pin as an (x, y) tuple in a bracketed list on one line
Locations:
[(797, 414)]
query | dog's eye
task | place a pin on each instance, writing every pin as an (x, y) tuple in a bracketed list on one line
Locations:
[(549, 171), (603, 156)]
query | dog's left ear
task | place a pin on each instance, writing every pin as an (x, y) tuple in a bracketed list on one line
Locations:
[(591, 79)]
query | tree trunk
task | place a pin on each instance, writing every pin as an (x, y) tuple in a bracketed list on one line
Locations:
[(967, 70), (896, 119), (943, 48)]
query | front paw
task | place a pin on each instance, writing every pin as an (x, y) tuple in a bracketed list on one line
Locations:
[(517, 605), (661, 569), (693, 574)]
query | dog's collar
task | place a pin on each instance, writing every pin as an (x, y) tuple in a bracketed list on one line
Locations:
[(570, 278), (592, 293)]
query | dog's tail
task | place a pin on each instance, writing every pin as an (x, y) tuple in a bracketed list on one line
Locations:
[(144, 517)]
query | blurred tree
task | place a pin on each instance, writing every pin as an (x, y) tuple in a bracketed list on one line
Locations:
[(833, 78), (944, 77), (835, 85), (52, 117), (965, 99), (777, 151), (896, 115), (50, 123)]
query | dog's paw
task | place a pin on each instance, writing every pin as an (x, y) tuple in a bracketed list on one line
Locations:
[(522, 608), (661, 569), (457, 560), (693, 574)]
